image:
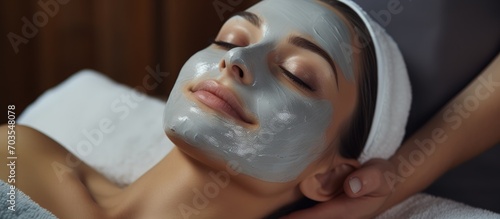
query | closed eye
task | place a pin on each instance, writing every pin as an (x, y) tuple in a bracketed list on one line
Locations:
[(224, 45), (296, 80)]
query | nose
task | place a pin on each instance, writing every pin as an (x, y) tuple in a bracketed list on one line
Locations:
[(234, 64)]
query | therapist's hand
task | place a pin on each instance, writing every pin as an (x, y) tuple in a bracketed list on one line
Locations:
[(365, 193), (479, 128)]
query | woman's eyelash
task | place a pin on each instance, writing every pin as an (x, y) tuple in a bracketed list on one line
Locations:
[(296, 79), (224, 45)]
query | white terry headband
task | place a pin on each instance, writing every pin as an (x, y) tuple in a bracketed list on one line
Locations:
[(393, 92)]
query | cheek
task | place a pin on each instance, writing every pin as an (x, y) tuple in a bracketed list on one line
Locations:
[(204, 63), (332, 133), (342, 118)]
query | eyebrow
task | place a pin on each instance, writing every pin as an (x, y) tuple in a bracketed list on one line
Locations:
[(250, 17), (308, 45)]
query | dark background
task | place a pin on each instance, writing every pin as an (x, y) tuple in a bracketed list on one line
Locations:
[(445, 43), (118, 38)]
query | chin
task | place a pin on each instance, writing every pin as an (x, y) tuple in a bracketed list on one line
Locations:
[(194, 153)]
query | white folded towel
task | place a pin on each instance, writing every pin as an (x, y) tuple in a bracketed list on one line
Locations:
[(423, 206), (76, 114), (75, 108)]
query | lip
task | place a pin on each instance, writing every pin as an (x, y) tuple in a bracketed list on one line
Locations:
[(220, 98)]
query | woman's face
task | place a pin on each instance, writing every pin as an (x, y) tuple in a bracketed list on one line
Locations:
[(271, 93)]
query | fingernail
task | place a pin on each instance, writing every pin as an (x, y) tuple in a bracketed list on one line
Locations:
[(355, 185)]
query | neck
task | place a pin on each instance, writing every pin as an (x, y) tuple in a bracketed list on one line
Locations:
[(181, 187)]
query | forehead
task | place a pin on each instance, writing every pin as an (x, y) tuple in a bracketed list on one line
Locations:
[(305, 16), (309, 18), (292, 9)]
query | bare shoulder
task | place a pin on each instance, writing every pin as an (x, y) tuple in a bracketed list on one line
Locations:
[(29, 144), (22, 135), (22, 141), (48, 173)]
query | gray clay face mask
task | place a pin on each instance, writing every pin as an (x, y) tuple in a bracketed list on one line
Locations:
[(291, 126)]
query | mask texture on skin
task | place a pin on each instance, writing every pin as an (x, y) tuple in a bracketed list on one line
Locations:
[(291, 131)]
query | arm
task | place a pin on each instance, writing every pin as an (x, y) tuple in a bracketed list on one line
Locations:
[(467, 126)]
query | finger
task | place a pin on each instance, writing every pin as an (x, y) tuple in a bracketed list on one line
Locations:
[(368, 180), (361, 183)]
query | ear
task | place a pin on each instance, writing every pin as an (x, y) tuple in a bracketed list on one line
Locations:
[(326, 182)]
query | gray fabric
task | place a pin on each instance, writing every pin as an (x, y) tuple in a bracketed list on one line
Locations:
[(445, 44), (25, 208)]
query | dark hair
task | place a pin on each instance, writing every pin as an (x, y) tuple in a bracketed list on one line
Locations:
[(353, 139)]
